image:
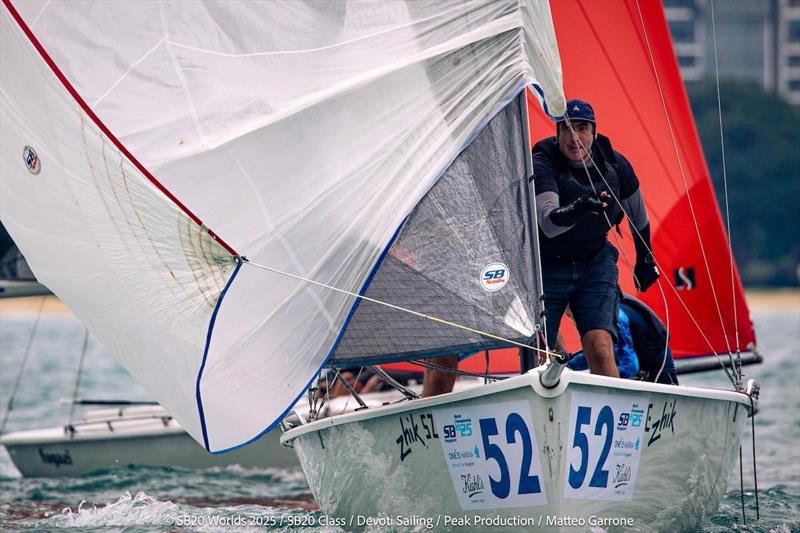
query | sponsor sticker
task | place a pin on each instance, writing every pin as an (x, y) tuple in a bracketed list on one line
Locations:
[(606, 436), (494, 277), (31, 159), (492, 455)]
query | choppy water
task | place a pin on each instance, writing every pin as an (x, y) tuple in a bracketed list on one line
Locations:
[(237, 499)]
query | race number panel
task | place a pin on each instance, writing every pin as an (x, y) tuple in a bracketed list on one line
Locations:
[(492, 455), (604, 445)]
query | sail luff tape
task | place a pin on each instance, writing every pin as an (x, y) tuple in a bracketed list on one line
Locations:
[(387, 304), (103, 128)]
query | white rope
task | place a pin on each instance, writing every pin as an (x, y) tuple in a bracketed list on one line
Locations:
[(685, 184), (727, 205), (392, 306)]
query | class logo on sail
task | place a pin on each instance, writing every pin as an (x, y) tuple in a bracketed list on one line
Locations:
[(31, 159), (494, 277)]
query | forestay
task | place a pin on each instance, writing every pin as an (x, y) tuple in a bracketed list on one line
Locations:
[(303, 133)]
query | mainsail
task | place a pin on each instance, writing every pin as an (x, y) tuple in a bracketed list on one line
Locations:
[(318, 148)]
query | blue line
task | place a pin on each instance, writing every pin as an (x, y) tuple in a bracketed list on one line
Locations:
[(205, 353), (327, 357), (540, 91)]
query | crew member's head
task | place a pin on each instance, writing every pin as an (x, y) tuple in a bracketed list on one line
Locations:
[(577, 131)]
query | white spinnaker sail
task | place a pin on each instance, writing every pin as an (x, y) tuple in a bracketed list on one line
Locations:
[(302, 133)]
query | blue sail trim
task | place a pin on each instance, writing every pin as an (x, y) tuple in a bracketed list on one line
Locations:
[(495, 110), (205, 352), (352, 312)]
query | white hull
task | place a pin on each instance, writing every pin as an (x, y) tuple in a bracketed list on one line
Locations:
[(150, 441), (666, 464), (148, 435)]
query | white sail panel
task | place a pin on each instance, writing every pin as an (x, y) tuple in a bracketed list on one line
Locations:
[(133, 267), (304, 147)]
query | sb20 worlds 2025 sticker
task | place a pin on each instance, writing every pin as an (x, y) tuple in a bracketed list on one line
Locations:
[(605, 440), (492, 455)]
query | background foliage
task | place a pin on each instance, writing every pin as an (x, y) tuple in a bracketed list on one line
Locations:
[(762, 153)]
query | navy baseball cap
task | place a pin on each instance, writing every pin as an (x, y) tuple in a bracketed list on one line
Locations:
[(579, 110)]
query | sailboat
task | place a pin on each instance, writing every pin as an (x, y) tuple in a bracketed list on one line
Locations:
[(349, 188)]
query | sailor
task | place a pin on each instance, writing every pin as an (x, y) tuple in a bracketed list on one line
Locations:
[(580, 182)]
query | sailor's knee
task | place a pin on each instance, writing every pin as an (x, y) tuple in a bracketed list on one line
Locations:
[(599, 342)]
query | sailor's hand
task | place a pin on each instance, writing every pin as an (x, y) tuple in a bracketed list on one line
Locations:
[(583, 206), (645, 273), (592, 204)]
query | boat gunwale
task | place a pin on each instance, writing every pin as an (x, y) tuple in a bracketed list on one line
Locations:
[(49, 437), (530, 379)]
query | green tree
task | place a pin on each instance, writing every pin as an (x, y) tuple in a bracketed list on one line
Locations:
[(762, 155)]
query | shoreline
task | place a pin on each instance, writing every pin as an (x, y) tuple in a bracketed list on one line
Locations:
[(781, 298)]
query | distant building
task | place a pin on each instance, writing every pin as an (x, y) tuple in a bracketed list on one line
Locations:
[(756, 39)]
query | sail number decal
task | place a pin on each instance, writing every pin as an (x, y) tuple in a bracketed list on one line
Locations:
[(492, 455), (605, 443)]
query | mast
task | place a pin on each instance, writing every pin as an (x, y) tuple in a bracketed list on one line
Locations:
[(527, 356)]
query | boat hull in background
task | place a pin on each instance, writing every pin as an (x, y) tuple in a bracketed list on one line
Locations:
[(591, 451), (135, 438)]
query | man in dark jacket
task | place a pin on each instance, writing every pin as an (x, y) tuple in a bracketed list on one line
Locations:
[(583, 188)]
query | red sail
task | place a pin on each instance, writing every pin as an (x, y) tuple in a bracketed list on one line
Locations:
[(606, 57), (641, 104)]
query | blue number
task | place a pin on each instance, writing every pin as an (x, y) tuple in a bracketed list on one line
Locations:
[(579, 440), (528, 484), (606, 418), (492, 451)]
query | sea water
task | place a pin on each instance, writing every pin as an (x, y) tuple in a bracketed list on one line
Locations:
[(237, 499)]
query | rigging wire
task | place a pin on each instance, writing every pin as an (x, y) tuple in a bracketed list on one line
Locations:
[(392, 306), (727, 204), (737, 383), (456, 371), (78, 377), (15, 388)]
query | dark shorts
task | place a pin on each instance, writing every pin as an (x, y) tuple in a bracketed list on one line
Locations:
[(590, 289)]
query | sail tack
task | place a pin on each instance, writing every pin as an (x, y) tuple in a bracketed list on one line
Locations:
[(304, 147)]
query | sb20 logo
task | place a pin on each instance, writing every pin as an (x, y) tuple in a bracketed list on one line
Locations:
[(494, 277)]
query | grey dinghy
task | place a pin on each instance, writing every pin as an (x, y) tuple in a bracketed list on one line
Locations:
[(515, 455)]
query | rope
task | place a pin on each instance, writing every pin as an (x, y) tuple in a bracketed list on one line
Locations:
[(392, 306), (727, 205), (78, 376), (686, 188), (15, 388)]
